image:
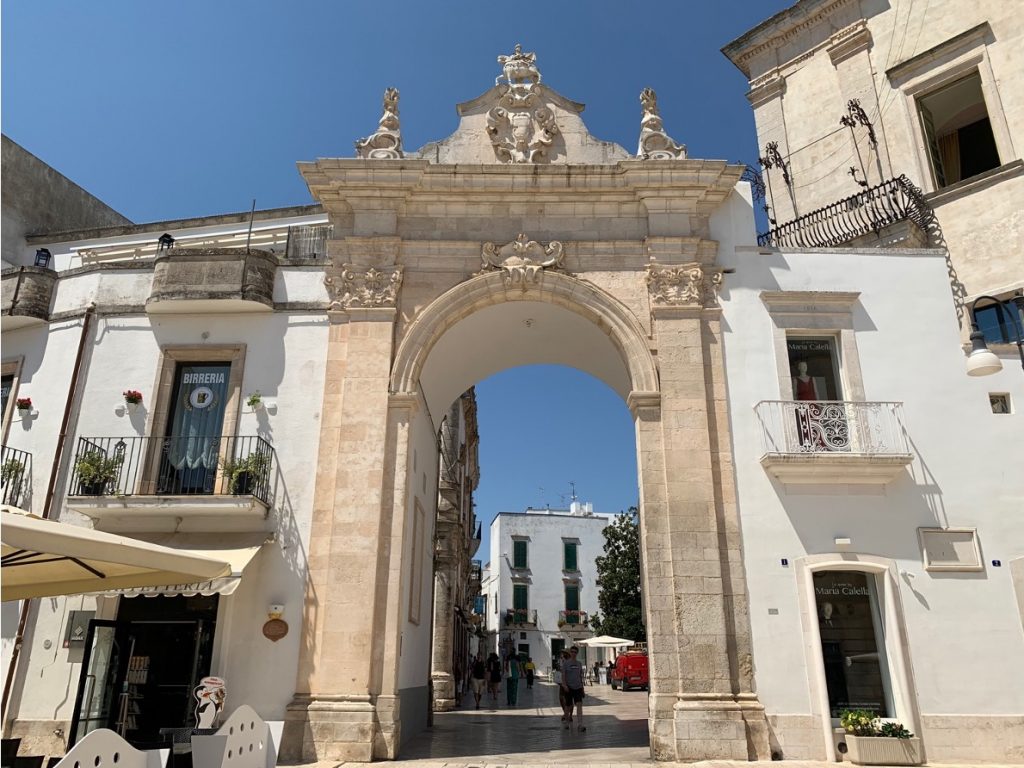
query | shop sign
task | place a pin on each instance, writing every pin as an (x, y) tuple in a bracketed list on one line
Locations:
[(841, 588), (275, 629), (78, 627)]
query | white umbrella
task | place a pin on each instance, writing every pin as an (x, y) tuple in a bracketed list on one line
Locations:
[(606, 641), (44, 558)]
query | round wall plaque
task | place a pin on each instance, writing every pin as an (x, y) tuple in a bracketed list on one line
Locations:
[(275, 629)]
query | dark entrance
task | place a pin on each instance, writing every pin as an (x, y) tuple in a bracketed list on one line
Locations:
[(139, 671)]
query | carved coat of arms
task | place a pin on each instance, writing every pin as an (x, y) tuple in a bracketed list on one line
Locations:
[(521, 128), (522, 260)]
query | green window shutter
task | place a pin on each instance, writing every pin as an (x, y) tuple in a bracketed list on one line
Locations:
[(570, 556), (520, 597), (519, 554), (572, 598)]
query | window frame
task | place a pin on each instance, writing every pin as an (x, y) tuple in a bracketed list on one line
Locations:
[(11, 367), (942, 65), (575, 544), (565, 596), (524, 590)]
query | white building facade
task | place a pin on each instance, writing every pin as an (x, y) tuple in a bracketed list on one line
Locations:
[(541, 583)]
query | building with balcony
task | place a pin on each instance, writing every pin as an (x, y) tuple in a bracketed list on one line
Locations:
[(542, 580), (879, 127)]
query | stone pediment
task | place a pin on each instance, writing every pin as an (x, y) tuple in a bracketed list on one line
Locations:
[(521, 121)]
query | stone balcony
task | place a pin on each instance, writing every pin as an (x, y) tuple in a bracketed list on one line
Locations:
[(187, 280), (833, 442), (27, 294)]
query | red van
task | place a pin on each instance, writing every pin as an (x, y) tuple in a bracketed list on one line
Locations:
[(631, 671)]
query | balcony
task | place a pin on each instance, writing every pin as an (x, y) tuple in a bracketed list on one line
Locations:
[(187, 280), (16, 478), (520, 617), (893, 212), (824, 442), (573, 620), (27, 292), (475, 576), (205, 483)]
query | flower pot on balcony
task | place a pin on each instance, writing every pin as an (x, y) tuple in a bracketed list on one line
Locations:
[(883, 750), (92, 488), (244, 483)]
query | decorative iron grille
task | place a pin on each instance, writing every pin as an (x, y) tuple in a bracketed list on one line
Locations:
[(830, 426), (840, 222)]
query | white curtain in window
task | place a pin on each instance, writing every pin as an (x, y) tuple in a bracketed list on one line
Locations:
[(949, 150)]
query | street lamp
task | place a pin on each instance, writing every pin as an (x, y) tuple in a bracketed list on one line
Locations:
[(982, 361)]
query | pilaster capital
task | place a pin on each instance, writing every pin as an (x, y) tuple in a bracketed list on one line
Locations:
[(849, 41), (407, 401), (644, 403), (766, 88), (689, 288)]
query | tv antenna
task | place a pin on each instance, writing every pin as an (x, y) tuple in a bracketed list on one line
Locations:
[(572, 486)]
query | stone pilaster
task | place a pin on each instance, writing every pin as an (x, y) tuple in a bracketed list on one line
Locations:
[(446, 572)]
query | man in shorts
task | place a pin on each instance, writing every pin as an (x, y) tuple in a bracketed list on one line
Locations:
[(478, 677), (572, 684)]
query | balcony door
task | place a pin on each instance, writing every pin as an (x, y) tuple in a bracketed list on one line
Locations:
[(820, 418), (193, 443)]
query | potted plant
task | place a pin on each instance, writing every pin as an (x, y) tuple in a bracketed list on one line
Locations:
[(24, 405), (873, 742), (254, 401), (11, 476), (132, 399), (95, 472), (245, 475)]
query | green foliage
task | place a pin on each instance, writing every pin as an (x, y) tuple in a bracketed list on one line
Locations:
[(618, 581), (862, 722), (255, 465), (12, 469), (93, 467), (254, 400)]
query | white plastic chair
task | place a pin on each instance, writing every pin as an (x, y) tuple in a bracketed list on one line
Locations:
[(103, 748)]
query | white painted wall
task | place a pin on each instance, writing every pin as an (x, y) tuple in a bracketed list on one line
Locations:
[(545, 530), (963, 629)]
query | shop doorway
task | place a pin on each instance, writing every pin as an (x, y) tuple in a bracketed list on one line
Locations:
[(139, 671)]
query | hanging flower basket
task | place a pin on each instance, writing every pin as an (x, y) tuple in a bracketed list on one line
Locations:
[(24, 405), (132, 399)]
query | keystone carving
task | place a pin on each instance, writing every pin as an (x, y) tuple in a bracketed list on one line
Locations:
[(685, 285), (655, 144), (361, 287), (522, 260), (386, 143), (520, 128)]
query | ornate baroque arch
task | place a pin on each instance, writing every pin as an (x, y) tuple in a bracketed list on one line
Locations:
[(579, 296)]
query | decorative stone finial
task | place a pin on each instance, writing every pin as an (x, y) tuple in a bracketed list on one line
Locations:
[(521, 128), (655, 144), (522, 260), (386, 143), (519, 68)]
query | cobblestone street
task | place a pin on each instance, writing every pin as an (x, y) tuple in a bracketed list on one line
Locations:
[(532, 732)]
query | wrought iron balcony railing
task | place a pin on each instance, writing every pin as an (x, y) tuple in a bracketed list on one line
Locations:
[(219, 465), (840, 222), (520, 617), (803, 427), (573, 619), (16, 478), (475, 570)]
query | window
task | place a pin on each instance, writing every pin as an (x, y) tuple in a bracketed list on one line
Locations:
[(519, 552), (6, 388), (572, 599), (520, 597), (957, 131), (1000, 322), (569, 559), (814, 368), (852, 645)]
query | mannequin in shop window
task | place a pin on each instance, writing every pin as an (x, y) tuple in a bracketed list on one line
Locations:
[(803, 384)]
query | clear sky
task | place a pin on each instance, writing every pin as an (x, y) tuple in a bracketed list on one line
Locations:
[(173, 109)]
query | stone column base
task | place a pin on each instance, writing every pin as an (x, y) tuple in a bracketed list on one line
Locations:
[(720, 727), (338, 727), (444, 692)]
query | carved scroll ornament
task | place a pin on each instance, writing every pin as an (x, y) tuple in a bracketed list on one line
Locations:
[(655, 144), (522, 260), (386, 143), (681, 286), (364, 287)]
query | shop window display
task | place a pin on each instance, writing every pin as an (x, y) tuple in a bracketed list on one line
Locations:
[(852, 644), (820, 420)]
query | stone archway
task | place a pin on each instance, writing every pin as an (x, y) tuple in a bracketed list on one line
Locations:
[(626, 249)]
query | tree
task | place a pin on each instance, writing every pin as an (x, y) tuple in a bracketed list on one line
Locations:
[(618, 580)]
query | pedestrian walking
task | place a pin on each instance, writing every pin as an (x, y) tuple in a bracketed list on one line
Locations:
[(478, 680), (608, 673), (493, 676), (597, 672), (572, 682), (531, 671), (563, 700), (515, 671)]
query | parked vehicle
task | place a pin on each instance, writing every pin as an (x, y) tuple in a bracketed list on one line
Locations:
[(631, 671)]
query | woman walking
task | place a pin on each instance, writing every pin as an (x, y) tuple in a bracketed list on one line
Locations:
[(493, 676), (531, 671)]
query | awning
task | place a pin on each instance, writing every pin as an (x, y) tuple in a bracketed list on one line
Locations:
[(236, 549), (46, 558), (606, 641)]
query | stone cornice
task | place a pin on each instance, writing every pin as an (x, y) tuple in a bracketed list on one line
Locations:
[(767, 89), (914, 64), (778, 29), (849, 42), (809, 302), (643, 401)]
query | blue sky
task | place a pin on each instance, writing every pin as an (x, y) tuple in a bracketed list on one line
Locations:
[(173, 109)]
